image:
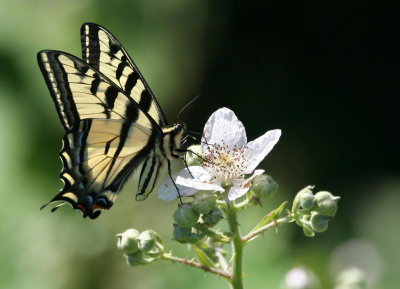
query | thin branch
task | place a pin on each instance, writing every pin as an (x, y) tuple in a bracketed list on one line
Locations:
[(261, 230), (184, 261), (221, 260)]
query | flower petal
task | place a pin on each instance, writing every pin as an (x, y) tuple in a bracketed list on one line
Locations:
[(223, 126), (197, 172), (198, 184), (241, 186), (236, 192), (258, 149), (167, 190)]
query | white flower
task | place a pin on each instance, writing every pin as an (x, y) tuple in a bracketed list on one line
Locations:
[(227, 158), (299, 278)]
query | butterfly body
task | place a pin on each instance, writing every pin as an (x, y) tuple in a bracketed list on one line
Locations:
[(112, 120)]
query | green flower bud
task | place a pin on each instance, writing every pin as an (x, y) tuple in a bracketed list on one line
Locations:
[(141, 258), (193, 155), (306, 200), (128, 241), (181, 234), (136, 259), (326, 203), (319, 223), (297, 204), (185, 216), (264, 186), (213, 217), (204, 202), (185, 235), (150, 243)]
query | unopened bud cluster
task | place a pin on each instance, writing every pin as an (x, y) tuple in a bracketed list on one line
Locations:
[(191, 218), (140, 248), (313, 212)]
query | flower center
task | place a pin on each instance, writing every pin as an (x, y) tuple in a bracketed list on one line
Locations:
[(225, 163), (224, 159)]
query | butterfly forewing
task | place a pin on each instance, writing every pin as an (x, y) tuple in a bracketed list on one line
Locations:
[(81, 92), (104, 52)]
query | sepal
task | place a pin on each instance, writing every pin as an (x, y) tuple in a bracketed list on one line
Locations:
[(204, 202), (185, 216)]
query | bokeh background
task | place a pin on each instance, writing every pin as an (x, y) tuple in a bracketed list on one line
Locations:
[(325, 73)]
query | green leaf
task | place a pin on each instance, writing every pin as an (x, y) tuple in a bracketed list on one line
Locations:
[(203, 256), (270, 217)]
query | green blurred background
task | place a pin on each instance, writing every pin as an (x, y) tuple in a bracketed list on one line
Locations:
[(325, 74)]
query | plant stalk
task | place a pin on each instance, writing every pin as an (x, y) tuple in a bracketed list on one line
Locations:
[(237, 248)]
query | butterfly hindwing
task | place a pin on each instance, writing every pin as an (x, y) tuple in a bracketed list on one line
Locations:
[(101, 50), (94, 164), (148, 175)]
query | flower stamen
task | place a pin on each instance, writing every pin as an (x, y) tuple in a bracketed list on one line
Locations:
[(224, 162)]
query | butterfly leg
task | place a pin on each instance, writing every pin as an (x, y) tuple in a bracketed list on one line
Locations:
[(176, 187)]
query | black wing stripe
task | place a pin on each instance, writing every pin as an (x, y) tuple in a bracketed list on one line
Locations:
[(131, 113), (120, 69), (149, 175), (123, 135), (95, 84), (145, 100), (81, 142), (131, 82), (111, 96)]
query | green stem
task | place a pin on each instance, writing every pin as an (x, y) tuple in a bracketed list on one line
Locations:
[(262, 229), (184, 261), (237, 250)]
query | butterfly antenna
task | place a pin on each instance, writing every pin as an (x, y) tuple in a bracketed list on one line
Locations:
[(193, 132), (190, 102)]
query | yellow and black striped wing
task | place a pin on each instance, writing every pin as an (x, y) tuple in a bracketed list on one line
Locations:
[(81, 92), (107, 134), (98, 156), (102, 51)]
